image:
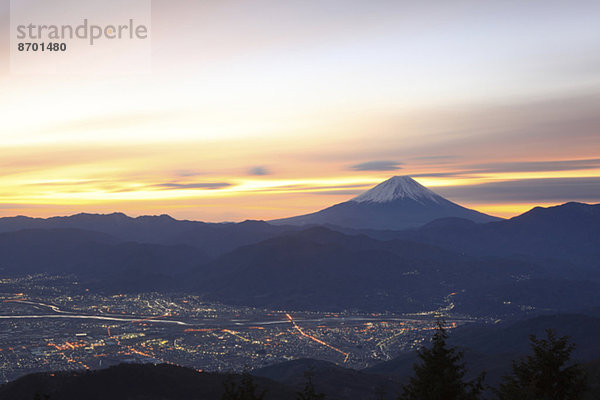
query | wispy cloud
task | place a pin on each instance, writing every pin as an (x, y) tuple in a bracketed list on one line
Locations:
[(315, 188), (207, 185), (537, 166), (377, 166), (435, 158), (471, 170), (527, 190)]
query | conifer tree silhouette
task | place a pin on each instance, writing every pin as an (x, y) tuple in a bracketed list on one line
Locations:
[(309, 392), (440, 375), (545, 375)]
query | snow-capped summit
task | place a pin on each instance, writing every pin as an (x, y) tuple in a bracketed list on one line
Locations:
[(398, 203), (395, 188)]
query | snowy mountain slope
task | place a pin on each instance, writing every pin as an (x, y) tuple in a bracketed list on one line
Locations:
[(398, 203), (398, 187)]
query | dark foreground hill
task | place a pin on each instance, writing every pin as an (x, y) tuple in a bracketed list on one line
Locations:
[(334, 381), (280, 381), (319, 269), (132, 382)]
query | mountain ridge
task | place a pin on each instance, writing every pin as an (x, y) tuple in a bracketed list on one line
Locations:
[(213, 239)]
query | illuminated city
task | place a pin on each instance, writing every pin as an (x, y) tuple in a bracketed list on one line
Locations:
[(52, 324)]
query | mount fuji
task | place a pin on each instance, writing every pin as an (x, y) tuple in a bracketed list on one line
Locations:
[(398, 203)]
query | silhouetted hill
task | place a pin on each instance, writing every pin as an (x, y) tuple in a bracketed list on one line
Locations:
[(530, 294), (566, 236), (334, 381), (150, 229), (212, 239), (97, 258), (321, 269), (512, 337), (281, 381), (132, 382), (217, 239), (593, 377)]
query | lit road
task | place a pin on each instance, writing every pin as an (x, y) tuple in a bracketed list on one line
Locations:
[(317, 340)]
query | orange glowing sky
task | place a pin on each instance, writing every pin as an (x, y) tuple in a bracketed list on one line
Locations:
[(261, 109)]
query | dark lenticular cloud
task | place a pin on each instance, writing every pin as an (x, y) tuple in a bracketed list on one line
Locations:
[(259, 171), (377, 166), (339, 192), (527, 190), (315, 189), (184, 173), (439, 175)]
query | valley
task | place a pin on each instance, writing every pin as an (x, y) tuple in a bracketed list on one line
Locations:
[(71, 329)]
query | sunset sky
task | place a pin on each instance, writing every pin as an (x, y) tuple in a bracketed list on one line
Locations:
[(265, 109)]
